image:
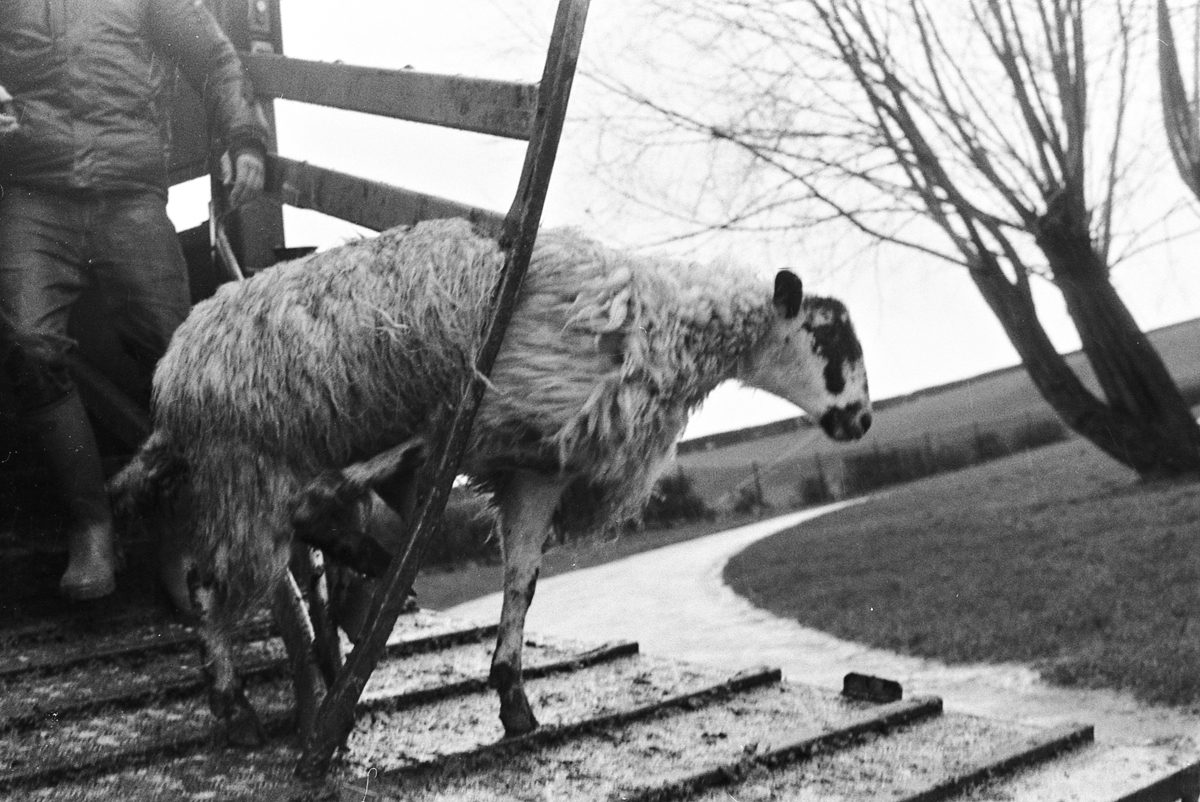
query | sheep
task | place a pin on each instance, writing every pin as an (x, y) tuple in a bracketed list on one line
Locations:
[(341, 363)]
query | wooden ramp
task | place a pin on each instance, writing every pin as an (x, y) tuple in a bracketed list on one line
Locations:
[(115, 710)]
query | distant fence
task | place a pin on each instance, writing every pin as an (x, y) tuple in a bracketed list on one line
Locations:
[(804, 480)]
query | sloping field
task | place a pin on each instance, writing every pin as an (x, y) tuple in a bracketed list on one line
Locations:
[(1003, 398)]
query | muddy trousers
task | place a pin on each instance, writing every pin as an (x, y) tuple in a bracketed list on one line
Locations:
[(53, 248)]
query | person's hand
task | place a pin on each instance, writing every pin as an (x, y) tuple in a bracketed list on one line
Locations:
[(8, 114), (246, 183)]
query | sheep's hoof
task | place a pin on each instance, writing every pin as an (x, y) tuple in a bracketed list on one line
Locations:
[(242, 727), (516, 715)]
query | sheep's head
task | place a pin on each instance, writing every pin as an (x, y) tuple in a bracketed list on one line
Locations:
[(812, 357)]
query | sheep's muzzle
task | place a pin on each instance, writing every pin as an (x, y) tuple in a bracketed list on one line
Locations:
[(846, 423)]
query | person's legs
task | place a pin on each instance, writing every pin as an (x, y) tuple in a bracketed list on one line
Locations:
[(40, 278), (138, 266)]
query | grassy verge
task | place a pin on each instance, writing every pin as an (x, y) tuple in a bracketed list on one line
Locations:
[(1057, 557), (442, 589)]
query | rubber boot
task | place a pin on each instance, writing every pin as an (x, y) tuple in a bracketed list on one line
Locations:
[(65, 436)]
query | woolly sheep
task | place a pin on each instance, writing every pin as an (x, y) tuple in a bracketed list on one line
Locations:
[(353, 353)]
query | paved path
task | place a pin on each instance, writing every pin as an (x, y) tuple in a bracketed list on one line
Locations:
[(674, 603)]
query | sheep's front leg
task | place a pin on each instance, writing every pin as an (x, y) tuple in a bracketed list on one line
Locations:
[(310, 572), (299, 639), (526, 506)]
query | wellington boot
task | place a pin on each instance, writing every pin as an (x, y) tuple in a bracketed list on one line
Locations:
[(91, 567), (69, 446)]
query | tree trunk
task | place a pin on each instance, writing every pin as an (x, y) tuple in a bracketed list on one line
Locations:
[(1146, 422), (1158, 440)]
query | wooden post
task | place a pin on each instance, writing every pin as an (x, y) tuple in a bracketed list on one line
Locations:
[(760, 500), (826, 488), (336, 717)]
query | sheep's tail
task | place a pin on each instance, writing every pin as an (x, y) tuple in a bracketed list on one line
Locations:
[(150, 481)]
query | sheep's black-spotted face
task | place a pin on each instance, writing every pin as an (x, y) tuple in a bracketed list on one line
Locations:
[(813, 358), (835, 349)]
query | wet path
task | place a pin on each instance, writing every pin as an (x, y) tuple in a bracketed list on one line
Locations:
[(674, 602)]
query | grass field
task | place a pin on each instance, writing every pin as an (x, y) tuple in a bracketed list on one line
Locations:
[(1056, 557)]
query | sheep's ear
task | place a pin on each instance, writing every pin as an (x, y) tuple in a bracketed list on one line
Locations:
[(789, 292)]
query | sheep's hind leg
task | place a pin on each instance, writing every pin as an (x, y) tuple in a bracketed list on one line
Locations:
[(526, 506), (226, 696)]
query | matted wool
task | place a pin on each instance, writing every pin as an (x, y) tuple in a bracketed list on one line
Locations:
[(330, 359)]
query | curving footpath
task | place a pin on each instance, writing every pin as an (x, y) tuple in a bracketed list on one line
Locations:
[(674, 602)]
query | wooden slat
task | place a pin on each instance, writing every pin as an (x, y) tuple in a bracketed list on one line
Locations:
[(16, 664), (499, 108), (371, 204), (545, 736), (795, 749), (189, 682), (1179, 786), (1037, 748), (124, 754), (61, 625), (600, 655)]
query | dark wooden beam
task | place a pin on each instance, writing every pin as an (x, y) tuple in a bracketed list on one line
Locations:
[(1179, 786), (795, 748), (1034, 749), (484, 106), (601, 722), (371, 204), (117, 751)]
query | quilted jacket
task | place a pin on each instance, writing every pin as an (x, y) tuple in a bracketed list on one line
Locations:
[(91, 82)]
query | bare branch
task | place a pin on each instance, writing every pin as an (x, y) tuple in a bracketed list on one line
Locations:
[(1104, 231)]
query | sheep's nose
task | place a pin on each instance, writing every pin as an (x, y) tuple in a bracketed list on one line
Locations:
[(846, 423)]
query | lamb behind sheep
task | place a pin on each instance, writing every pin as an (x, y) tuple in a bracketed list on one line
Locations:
[(355, 353)]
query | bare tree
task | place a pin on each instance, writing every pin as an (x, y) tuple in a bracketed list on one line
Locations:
[(1181, 114), (983, 133)]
